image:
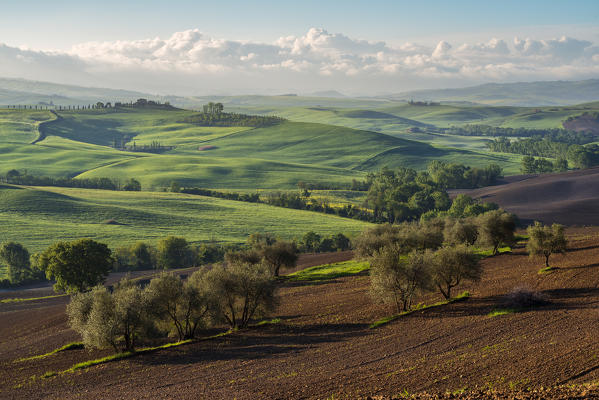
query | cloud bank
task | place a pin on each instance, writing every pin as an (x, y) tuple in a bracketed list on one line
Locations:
[(190, 62)]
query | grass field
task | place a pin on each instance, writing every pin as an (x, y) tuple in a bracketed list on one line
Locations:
[(38, 217), (79, 144)]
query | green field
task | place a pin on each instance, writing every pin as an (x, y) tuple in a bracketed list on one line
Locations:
[(38, 217), (331, 142), (79, 144)]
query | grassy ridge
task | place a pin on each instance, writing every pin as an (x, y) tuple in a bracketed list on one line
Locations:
[(37, 217)]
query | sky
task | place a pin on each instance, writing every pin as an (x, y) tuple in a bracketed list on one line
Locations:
[(356, 47)]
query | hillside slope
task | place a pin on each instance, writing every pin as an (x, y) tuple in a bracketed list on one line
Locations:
[(323, 347), (569, 198)]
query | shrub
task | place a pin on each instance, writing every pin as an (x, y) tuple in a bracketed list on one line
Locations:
[(522, 297)]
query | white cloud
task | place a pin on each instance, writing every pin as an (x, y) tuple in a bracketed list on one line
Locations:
[(191, 62)]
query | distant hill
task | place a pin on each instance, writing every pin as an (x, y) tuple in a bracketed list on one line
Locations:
[(569, 198), (21, 91), (519, 94), (328, 93)]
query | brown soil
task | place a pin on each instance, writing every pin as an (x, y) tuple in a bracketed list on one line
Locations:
[(569, 198), (323, 347), (583, 123)]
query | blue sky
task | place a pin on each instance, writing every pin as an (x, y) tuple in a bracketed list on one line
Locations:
[(60, 23), (357, 47)]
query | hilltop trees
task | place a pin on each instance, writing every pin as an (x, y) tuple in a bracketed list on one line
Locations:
[(76, 266), (546, 240)]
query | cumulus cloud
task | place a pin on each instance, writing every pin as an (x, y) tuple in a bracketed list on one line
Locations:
[(191, 62)]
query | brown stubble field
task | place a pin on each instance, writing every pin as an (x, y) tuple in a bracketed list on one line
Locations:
[(323, 347)]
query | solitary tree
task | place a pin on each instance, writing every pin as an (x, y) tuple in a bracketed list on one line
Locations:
[(546, 240), (452, 266), (395, 279), (16, 259), (496, 227), (76, 266)]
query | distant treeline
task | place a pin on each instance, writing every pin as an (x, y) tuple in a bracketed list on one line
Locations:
[(393, 196), (575, 154), (16, 177), (557, 134), (99, 105), (231, 119)]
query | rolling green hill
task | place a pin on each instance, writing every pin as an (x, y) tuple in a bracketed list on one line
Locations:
[(79, 144), (38, 217)]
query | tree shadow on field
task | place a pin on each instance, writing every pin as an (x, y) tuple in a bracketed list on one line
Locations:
[(575, 249), (580, 267), (557, 299), (257, 343)]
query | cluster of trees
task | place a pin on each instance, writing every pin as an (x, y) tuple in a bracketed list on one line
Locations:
[(220, 118), (532, 165), (436, 254), (423, 103), (495, 131), (140, 103), (213, 108), (16, 177), (234, 293), (247, 197), (312, 242), (153, 147), (404, 194), (578, 155)]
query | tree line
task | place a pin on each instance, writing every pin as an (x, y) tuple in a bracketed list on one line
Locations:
[(81, 264), (17, 177), (495, 131), (577, 155)]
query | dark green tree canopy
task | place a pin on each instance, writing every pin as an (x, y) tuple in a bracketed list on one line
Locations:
[(76, 266)]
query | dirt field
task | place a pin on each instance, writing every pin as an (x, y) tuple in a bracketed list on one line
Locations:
[(323, 348), (569, 198)]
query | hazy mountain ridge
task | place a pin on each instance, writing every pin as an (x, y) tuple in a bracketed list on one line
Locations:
[(542, 93)]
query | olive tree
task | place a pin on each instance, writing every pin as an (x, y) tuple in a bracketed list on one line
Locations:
[(105, 319), (242, 291), (460, 231), (280, 254), (452, 266), (184, 305), (395, 279), (76, 266), (496, 227), (546, 240)]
